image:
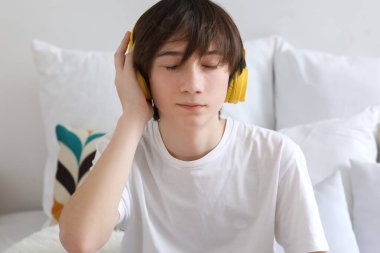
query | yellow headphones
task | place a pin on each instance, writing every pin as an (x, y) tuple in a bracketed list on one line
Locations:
[(238, 87), (235, 93)]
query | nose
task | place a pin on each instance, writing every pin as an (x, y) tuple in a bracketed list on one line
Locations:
[(193, 80)]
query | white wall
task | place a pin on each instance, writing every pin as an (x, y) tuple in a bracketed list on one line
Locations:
[(336, 26), (83, 24)]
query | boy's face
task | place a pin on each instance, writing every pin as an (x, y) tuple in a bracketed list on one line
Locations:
[(190, 94)]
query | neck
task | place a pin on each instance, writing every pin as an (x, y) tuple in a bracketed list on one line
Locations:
[(191, 143)]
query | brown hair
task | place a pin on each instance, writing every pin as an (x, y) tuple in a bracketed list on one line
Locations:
[(199, 22)]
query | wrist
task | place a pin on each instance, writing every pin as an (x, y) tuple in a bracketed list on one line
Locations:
[(132, 120)]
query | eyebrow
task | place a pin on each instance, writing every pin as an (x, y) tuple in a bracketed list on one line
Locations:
[(179, 53), (169, 53), (217, 52)]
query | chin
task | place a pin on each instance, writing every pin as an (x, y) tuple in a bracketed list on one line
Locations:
[(190, 119), (196, 121)]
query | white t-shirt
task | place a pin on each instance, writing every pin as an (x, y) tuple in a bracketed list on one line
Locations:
[(251, 188)]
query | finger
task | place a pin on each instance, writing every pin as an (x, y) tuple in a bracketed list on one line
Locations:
[(120, 52)]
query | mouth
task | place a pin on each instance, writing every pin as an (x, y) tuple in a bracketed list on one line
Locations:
[(191, 106)]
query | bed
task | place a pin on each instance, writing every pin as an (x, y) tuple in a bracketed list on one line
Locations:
[(328, 104), (17, 225), (47, 241)]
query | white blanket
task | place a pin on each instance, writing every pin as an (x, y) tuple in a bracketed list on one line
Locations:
[(47, 241)]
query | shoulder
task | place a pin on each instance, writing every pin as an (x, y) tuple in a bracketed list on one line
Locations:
[(263, 137), (267, 145)]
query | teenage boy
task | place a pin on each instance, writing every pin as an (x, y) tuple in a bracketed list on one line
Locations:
[(189, 180)]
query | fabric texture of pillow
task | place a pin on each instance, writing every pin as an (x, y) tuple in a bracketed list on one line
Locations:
[(76, 88), (330, 144), (47, 240), (365, 179), (312, 86), (258, 107), (76, 153), (334, 215)]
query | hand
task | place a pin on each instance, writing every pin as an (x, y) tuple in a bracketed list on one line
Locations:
[(130, 94)]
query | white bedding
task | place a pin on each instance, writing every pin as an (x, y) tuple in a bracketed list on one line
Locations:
[(47, 241), (15, 226)]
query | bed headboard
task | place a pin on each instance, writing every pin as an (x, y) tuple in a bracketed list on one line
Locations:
[(341, 27)]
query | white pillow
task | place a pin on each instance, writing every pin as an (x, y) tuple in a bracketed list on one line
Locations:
[(330, 144), (365, 179), (334, 215), (312, 86), (75, 88), (258, 108)]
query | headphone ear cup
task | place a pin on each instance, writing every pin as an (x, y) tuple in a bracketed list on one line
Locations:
[(140, 79), (237, 90), (143, 85), (131, 41)]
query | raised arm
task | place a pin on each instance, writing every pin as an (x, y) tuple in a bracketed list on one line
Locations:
[(89, 217)]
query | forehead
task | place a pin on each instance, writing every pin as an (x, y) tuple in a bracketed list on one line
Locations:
[(172, 47)]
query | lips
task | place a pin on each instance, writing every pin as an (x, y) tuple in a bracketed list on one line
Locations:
[(191, 106)]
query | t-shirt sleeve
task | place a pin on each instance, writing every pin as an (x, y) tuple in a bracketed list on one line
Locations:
[(101, 145), (124, 204), (298, 225)]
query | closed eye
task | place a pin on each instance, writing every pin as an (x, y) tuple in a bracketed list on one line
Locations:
[(171, 68), (211, 66)]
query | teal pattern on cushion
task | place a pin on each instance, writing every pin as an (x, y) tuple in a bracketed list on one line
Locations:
[(76, 153), (93, 136), (70, 139)]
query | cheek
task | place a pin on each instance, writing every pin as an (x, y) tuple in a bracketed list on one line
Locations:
[(220, 83), (158, 87)]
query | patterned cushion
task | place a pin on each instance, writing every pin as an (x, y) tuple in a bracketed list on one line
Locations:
[(77, 148)]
